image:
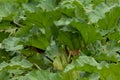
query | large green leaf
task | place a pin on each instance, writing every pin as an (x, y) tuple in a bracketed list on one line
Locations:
[(15, 68), (110, 20), (65, 38), (16, 62), (88, 32), (99, 12), (11, 44), (39, 42), (103, 51), (111, 73), (6, 9), (20, 61), (38, 29), (43, 75), (85, 63)]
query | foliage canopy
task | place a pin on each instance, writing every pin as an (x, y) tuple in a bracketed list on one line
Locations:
[(59, 39)]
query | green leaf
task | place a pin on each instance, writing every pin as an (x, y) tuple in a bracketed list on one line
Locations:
[(80, 9), (20, 61), (75, 75), (99, 12), (94, 76), (67, 8), (39, 42), (43, 75), (88, 32), (65, 38), (16, 62), (52, 50), (24, 31), (4, 75), (3, 65), (47, 5), (4, 25), (6, 9), (112, 72), (86, 64), (114, 35), (32, 7), (111, 19), (42, 21), (11, 44), (63, 22)]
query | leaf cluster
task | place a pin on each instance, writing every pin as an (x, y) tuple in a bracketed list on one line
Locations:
[(59, 39)]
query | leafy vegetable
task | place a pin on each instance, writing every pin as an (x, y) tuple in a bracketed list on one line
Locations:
[(59, 39)]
